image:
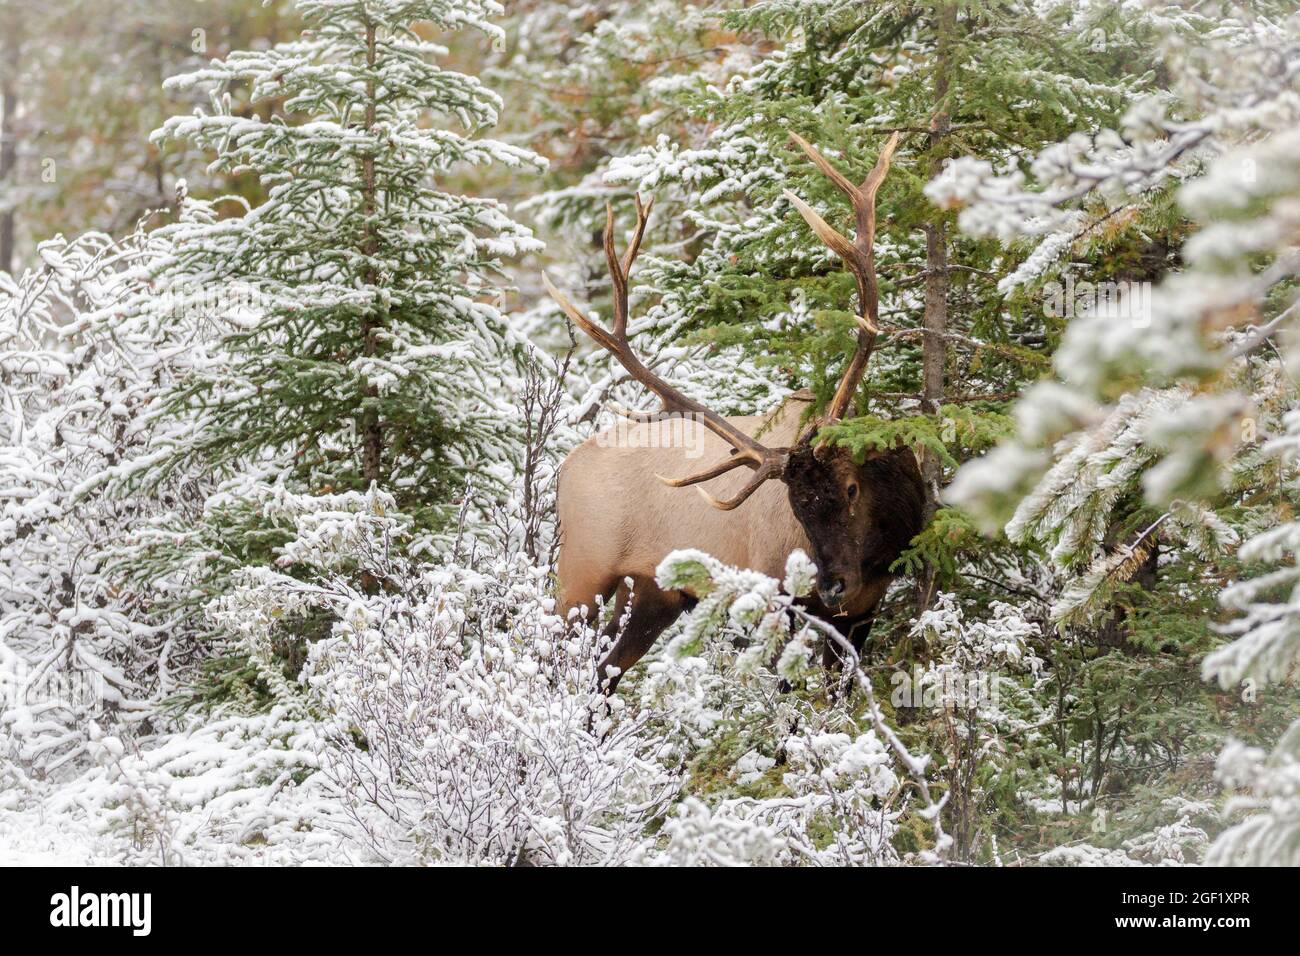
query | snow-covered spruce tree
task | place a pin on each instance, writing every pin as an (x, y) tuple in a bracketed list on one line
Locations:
[(1189, 407), (586, 84), (583, 82), (379, 354), (366, 345)]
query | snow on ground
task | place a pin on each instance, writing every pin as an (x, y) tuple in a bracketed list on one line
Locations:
[(222, 790), (35, 837)]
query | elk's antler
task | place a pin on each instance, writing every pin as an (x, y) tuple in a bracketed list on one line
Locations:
[(766, 462), (858, 257)]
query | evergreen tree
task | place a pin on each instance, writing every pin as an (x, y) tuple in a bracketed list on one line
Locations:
[(587, 84), (730, 266), (1180, 420), (373, 351)]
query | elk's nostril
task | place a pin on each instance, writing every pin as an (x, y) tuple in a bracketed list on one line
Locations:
[(832, 591)]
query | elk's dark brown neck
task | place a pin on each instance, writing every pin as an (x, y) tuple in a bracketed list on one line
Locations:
[(898, 504)]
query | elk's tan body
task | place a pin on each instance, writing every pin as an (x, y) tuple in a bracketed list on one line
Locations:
[(617, 519), (620, 504)]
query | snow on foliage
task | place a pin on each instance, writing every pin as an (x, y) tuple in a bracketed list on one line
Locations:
[(758, 637), (376, 332), (277, 477), (1267, 793), (1170, 407), (455, 707), (449, 716), (1180, 843), (80, 381)]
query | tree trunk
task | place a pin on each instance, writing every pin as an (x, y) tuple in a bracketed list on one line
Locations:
[(372, 436), (935, 318)]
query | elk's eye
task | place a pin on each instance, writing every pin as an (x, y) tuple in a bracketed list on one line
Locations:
[(853, 492)]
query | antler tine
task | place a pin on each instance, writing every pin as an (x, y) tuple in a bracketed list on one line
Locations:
[(617, 275), (767, 463), (862, 197), (857, 254), (621, 269), (772, 469), (634, 247), (603, 338), (721, 468)]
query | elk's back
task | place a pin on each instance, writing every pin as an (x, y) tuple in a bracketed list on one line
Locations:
[(618, 520)]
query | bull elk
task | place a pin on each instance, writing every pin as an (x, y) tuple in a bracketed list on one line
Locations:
[(620, 513)]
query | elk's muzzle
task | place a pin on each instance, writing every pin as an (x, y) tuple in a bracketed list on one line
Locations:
[(832, 591)]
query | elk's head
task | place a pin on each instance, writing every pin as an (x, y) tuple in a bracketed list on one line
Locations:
[(850, 515), (826, 495), (858, 515)]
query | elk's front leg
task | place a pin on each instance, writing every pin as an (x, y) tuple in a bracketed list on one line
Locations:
[(653, 612)]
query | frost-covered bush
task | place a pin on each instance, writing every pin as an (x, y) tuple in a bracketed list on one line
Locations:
[(976, 689), (459, 720), (446, 714), (78, 380), (727, 673), (230, 789), (457, 710), (972, 650), (841, 808), (700, 836), (842, 784), (1179, 843), (775, 638), (465, 716)]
